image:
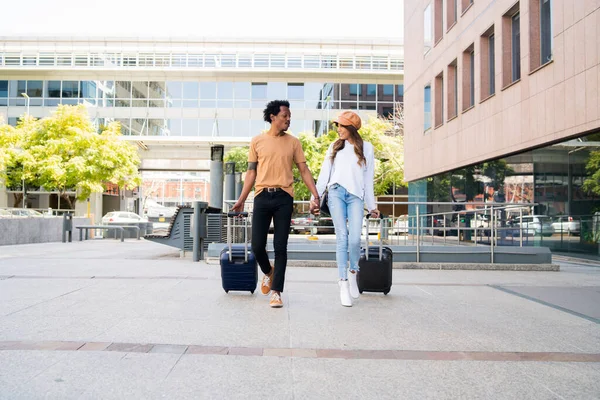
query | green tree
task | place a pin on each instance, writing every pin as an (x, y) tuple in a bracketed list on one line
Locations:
[(238, 155), (63, 152), (592, 181)]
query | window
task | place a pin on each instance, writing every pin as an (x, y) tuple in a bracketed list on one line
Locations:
[(296, 91), (546, 30), (371, 90), (427, 108), (428, 29), (259, 94), (3, 88), (487, 60), (451, 13), (439, 99), (466, 4), (516, 47), (511, 46), (354, 89), (492, 64), (452, 90), (468, 78), (438, 26), (540, 32)]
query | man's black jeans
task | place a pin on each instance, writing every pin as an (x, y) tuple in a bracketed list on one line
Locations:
[(278, 206)]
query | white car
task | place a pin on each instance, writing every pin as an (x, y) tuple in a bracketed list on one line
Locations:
[(536, 224), (568, 225), (26, 212), (117, 217), (401, 225), (480, 221)]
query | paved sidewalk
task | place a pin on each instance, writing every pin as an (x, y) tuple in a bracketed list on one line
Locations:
[(103, 319)]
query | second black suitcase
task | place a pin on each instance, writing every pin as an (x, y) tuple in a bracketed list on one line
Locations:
[(375, 267), (238, 264)]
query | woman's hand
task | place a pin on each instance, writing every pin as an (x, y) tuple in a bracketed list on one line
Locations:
[(314, 206), (375, 213)]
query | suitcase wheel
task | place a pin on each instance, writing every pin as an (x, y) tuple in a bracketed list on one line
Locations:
[(386, 292), (360, 291), (226, 291), (252, 291)]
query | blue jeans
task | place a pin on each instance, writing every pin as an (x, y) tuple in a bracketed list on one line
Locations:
[(346, 207)]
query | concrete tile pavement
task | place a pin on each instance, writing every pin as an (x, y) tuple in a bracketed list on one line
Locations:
[(151, 306)]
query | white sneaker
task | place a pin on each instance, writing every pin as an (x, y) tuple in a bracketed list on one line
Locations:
[(345, 294), (353, 285)]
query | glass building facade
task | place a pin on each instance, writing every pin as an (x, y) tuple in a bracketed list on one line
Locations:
[(218, 101), (564, 213)]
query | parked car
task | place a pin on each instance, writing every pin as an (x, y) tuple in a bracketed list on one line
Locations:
[(325, 225), (26, 213), (480, 221), (566, 225), (536, 224), (116, 217), (302, 224), (401, 225)]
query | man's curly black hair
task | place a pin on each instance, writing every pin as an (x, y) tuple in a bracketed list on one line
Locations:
[(274, 107)]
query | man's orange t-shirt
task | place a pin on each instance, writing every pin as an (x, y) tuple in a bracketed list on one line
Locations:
[(275, 156)]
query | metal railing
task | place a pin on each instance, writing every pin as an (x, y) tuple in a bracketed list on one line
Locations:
[(199, 60)]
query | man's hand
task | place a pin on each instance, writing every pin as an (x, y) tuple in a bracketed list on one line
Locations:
[(314, 207), (375, 213), (238, 206)]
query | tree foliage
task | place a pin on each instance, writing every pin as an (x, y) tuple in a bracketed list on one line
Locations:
[(389, 156), (238, 155), (63, 152), (592, 181)]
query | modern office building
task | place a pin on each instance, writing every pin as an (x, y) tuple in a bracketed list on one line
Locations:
[(503, 104), (177, 98)]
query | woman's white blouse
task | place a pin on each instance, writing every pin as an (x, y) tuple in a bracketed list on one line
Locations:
[(345, 171)]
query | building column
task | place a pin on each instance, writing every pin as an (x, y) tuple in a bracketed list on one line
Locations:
[(216, 176)]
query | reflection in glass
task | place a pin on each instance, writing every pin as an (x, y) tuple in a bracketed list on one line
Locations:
[(174, 90), (53, 89), (139, 90)]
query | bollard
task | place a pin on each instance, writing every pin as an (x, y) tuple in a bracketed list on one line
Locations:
[(199, 230), (67, 232)]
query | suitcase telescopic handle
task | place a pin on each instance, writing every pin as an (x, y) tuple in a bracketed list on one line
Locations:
[(230, 216), (380, 237)]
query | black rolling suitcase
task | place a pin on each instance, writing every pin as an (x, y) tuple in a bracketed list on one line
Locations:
[(375, 267), (238, 264)]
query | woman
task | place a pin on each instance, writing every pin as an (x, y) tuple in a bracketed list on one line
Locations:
[(347, 173)]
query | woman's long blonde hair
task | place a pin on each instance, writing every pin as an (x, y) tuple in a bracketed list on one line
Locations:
[(358, 145)]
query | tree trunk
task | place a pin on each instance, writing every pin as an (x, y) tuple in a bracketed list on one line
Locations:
[(67, 198), (18, 197)]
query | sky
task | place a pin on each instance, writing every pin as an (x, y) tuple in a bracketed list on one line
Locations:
[(203, 18)]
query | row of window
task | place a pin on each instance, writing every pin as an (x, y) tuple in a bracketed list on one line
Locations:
[(434, 19), (172, 60), (446, 84), (307, 95), (220, 127)]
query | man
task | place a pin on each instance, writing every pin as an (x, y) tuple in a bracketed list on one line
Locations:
[(270, 161)]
